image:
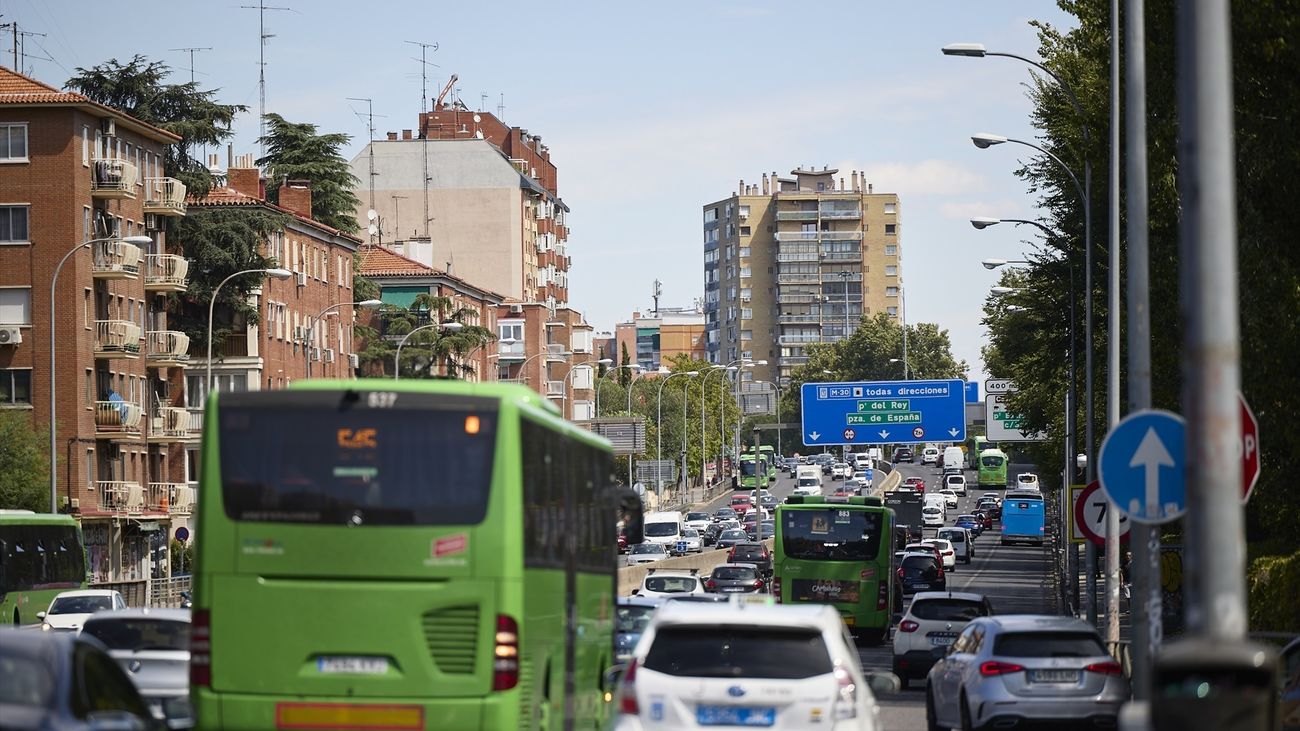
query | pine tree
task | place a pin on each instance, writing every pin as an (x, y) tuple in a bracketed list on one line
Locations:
[(294, 151)]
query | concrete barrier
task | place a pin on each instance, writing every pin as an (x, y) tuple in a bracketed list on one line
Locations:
[(630, 577)]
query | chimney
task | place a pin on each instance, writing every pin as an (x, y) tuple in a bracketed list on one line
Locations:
[(296, 196), (854, 179), (869, 187), (246, 180), (842, 188), (406, 134), (392, 136), (764, 183), (742, 186)]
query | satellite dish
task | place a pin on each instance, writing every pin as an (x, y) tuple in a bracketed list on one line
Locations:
[(373, 229), (478, 133), (372, 214), (477, 119)]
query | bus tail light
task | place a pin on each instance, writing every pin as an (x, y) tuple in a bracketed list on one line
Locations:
[(627, 699), (201, 649), (505, 655), (882, 595), (776, 589)]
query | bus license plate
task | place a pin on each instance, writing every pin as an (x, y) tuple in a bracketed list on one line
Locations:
[(735, 716), (352, 665)]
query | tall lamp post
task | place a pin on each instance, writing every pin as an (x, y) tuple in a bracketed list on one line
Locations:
[(54, 458), (703, 399), (635, 372), (659, 424), (311, 329), (740, 415), (567, 382), (443, 327), (274, 272), (523, 367)]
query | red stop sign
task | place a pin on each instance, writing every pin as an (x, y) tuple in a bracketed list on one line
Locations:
[(1249, 448)]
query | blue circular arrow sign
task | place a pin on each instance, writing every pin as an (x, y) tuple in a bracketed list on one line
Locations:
[(1142, 466)]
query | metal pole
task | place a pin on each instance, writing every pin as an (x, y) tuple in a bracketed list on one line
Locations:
[(1144, 595), (212, 305), (686, 402), (54, 421), (630, 384), (1067, 545), (760, 484), (1089, 422), (1216, 601), (1113, 394)]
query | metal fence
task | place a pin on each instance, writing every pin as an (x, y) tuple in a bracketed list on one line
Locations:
[(149, 592)]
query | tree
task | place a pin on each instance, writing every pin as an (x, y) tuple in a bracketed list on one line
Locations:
[(429, 353), (294, 151), (24, 464), (138, 88), (625, 373)]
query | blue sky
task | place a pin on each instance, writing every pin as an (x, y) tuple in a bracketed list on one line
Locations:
[(650, 110)]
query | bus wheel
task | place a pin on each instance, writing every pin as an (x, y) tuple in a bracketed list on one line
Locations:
[(17, 619), (873, 637)]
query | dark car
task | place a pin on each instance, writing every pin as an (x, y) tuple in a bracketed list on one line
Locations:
[(731, 537), (970, 521), (57, 681), (913, 532), (767, 502), (903, 454), (990, 507), (769, 529), (734, 578), (631, 617), (752, 553), (921, 572), (710, 534)]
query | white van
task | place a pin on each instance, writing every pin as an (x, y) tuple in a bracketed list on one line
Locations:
[(664, 527), (961, 541), (862, 461), (808, 480), (953, 459)]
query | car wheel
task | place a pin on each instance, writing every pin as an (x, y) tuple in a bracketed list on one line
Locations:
[(902, 680), (873, 637), (966, 724), (931, 720)]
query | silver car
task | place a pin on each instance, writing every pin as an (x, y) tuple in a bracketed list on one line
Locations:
[(1009, 670), (153, 647)]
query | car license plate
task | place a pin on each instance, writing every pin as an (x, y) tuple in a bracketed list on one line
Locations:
[(732, 588), (941, 640), (920, 586), (1054, 676), (352, 665), (735, 716)]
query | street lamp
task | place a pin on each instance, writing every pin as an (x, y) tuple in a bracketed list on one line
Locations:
[(311, 329), (636, 371), (274, 272), (703, 443), (477, 348), (54, 473), (443, 327), (567, 382), (740, 411), (659, 425), (1016, 308), (995, 263), (523, 372), (1005, 290)]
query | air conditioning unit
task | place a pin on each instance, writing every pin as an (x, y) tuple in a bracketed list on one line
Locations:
[(108, 126), (329, 355), (354, 360), (516, 309), (299, 333), (10, 335), (315, 355), (302, 279)]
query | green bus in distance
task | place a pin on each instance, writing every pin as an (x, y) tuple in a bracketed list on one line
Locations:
[(403, 555), (993, 469), (41, 554), (839, 551), (751, 466), (768, 452)]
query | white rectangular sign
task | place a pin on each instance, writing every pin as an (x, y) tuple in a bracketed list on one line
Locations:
[(1002, 426)]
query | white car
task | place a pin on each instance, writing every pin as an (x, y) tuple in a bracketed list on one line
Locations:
[(841, 471), (956, 483), (745, 663), (933, 619), (646, 553), (993, 495), (932, 517), (963, 543), (946, 551), (693, 540), (1027, 481), (938, 500), (950, 497), (70, 609), (660, 583), (698, 520), (930, 456)]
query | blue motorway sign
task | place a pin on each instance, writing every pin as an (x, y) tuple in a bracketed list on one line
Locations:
[(1142, 465), (973, 393), (884, 412)]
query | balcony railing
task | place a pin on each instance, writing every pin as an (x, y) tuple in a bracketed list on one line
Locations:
[(165, 272), (818, 236), (119, 496), (836, 276), (849, 213), (164, 196), (112, 179), (174, 498), (798, 298), (796, 215), (117, 339), (171, 424), (799, 339), (554, 389), (115, 260), (167, 347), (841, 256), (797, 319), (798, 279), (808, 256), (117, 419)]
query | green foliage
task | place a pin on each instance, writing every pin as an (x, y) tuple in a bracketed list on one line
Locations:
[(219, 242), (24, 463), (429, 353), (137, 88), (1274, 584), (294, 151), (625, 374), (182, 557)]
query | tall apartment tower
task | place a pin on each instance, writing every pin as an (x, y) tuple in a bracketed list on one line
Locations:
[(795, 261)]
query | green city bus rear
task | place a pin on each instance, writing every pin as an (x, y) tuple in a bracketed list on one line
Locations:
[(768, 453), (392, 554), (41, 554), (838, 551), (750, 467), (993, 469)]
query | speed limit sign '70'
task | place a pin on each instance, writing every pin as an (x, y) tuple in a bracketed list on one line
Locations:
[(1090, 514)]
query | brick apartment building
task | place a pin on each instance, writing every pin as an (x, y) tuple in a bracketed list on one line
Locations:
[(551, 351), (75, 171), (653, 341)]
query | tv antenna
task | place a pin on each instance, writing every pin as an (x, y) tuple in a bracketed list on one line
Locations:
[(424, 120), (501, 107), (370, 129), (261, 7), (191, 51)]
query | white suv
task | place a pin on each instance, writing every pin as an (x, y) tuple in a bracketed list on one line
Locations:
[(660, 583), (933, 619), (745, 663)]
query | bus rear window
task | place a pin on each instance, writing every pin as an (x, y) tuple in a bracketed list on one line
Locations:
[(833, 534), (327, 457)]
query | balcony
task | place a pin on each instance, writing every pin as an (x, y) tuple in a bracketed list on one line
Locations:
[(165, 273), (117, 339), (855, 256), (783, 236), (117, 419), (164, 196), (837, 276), (119, 496), (115, 260), (798, 279), (841, 213), (796, 215), (798, 299), (167, 348), (511, 352), (112, 179), (799, 339), (170, 425), (555, 389), (805, 256), (799, 319), (174, 498)]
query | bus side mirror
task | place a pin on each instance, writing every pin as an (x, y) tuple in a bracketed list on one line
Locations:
[(627, 506)]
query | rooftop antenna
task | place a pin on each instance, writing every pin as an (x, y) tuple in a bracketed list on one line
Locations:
[(424, 121), (261, 7), (501, 106), (656, 290), (396, 222), (193, 51), (482, 101), (370, 129)]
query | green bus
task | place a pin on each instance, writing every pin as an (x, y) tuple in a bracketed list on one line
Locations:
[(768, 453), (751, 467), (993, 468), (40, 555), (839, 551), (975, 445), (403, 555)]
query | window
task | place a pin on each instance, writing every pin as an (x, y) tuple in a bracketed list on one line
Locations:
[(744, 213), (891, 249), (13, 142), (891, 229), (892, 311), (710, 215), (511, 331), (891, 291), (891, 208), (891, 270), (15, 386), (13, 224), (85, 145), (16, 305)]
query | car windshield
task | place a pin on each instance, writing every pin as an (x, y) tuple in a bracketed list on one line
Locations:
[(734, 572), (956, 479), (734, 535), (947, 610), (697, 516), (739, 652), (666, 584), (690, 533), (80, 604), (647, 548), (749, 551), (747, 468), (923, 566), (1048, 644), (954, 536), (661, 530), (140, 633), (965, 517), (28, 681), (1027, 479), (633, 618), (831, 534)]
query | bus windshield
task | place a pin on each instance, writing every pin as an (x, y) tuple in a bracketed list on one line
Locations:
[(832, 534), (747, 467), (323, 462), (991, 461)]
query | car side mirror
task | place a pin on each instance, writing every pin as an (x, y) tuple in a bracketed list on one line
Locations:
[(611, 677), (40, 615), (882, 682), (114, 721)]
